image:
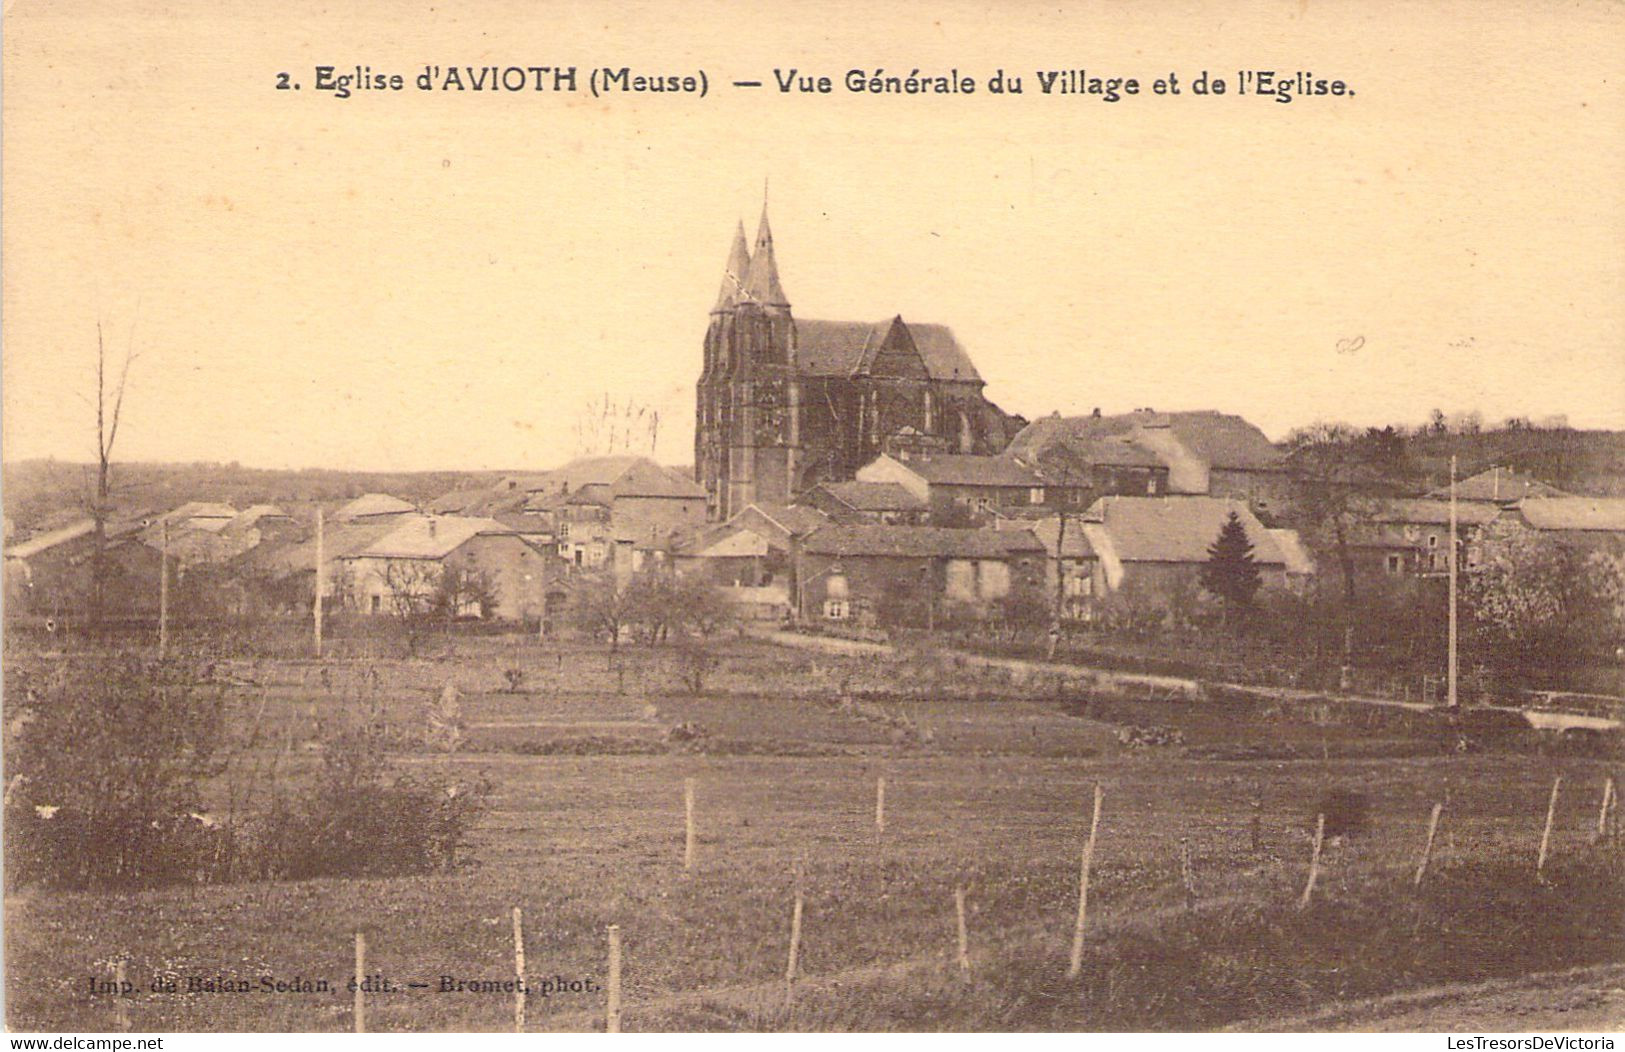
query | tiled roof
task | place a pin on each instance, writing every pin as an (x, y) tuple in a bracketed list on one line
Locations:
[(796, 519), (1433, 512), (1502, 485), (964, 469), (1048, 530), (920, 542), (839, 348), (374, 504), (339, 539), (620, 475), (429, 537), (1605, 514), (50, 539), (1176, 529), (1222, 440), (874, 496)]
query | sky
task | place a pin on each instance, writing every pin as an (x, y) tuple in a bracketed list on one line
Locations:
[(434, 280)]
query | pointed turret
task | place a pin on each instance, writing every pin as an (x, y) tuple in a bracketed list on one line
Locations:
[(762, 284), (733, 278)]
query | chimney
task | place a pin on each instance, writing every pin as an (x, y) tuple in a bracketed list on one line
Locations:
[(431, 526)]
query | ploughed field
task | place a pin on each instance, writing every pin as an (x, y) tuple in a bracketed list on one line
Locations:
[(989, 785)]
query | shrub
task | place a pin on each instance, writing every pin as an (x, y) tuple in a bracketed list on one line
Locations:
[(362, 819), (105, 765)]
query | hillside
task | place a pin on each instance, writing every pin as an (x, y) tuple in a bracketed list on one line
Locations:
[(38, 490), (1582, 462)]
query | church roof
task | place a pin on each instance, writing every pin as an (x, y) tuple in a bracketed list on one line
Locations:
[(762, 280), (733, 277), (839, 348)]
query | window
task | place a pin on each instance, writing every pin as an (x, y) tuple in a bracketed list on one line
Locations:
[(1433, 540), (1396, 564), (377, 603), (836, 609), (1151, 486)]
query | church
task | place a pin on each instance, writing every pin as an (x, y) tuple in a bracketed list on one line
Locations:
[(786, 403)]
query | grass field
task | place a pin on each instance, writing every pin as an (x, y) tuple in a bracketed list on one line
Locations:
[(988, 788)]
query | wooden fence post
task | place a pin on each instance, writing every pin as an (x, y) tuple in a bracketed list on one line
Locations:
[(964, 937), (1314, 862), (518, 971), (1187, 877), (360, 980), (1602, 813), (1075, 968), (1427, 845), (795, 951), (1546, 834), (612, 1016), (121, 1011), (880, 807), (688, 824)]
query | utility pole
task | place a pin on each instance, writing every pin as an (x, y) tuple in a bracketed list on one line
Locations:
[(1450, 691), (163, 591), (319, 584)]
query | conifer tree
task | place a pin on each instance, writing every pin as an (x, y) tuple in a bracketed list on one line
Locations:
[(1230, 572)]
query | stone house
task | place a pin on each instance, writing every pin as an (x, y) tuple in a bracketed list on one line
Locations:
[(847, 573), (880, 503), (409, 561), (953, 486), (1155, 547)]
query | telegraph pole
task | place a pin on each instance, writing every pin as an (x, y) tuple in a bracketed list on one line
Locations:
[(163, 591), (320, 589), (1450, 692)]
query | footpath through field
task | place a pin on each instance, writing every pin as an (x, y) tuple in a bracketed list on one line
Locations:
[(1167, 687), (1590, 999)]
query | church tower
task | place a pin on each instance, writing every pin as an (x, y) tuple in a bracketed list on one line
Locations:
[(748, 400)]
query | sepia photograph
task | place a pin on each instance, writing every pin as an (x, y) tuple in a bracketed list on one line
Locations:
[(590, 517)]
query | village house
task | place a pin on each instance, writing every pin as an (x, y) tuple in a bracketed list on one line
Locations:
[(959, 487), (281, 577), (374, 507), (880, 503), (1404, 537), (1068, 554), (1587, 523), (1155, 547), (622, 510), (753, 550), (1204, 453), (401, 570), (208, 516), (1497, 485), (49, 575), (852, 573)]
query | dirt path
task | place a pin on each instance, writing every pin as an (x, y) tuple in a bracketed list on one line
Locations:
[(1586, 1000)]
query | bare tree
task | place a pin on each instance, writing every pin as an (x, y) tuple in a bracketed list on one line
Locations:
[(604, 428), (109, 409), (1067, 474)]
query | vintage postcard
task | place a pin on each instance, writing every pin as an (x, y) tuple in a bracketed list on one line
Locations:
[(830, 517)]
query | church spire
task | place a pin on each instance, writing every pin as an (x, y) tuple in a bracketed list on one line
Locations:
[(762, 283), (733, 278)]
